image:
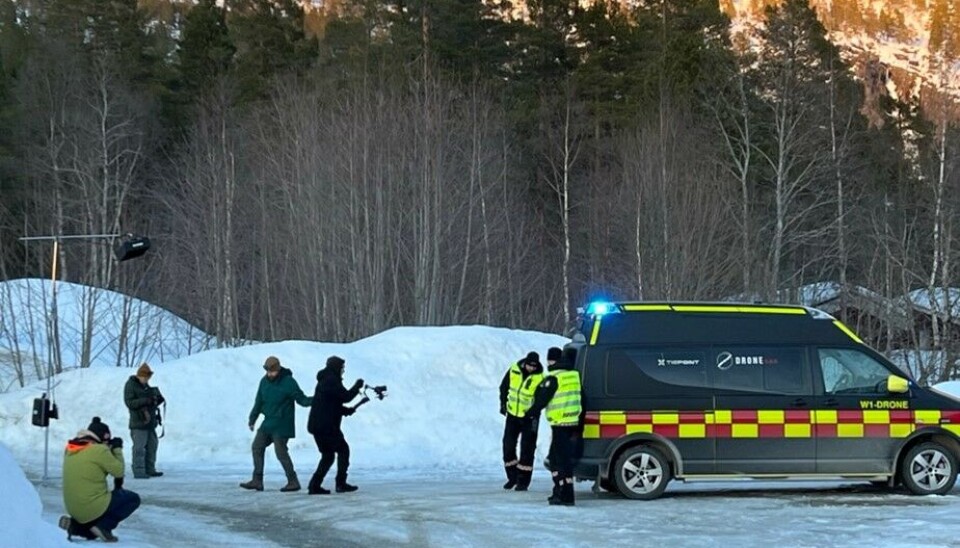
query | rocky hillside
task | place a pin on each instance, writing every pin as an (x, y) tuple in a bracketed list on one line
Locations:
[(917, 41)]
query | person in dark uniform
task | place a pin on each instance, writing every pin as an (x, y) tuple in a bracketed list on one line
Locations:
[(326, 415), (559, 394), (516, 396)]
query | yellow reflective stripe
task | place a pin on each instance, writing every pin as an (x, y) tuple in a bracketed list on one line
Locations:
[(848, 331), (692, 431), (770, 416), (797, 430), (901, 430), (846, 430), (646, 307), (740, 309), (639, 429), (596, 331), (591, 431)]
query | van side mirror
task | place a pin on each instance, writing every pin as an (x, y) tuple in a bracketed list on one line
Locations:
[(897, 385)]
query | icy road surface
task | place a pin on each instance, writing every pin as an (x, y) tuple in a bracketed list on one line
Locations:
[(205, 507)]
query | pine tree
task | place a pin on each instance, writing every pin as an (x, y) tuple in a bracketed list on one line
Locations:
[(206, 50), (270, 41)]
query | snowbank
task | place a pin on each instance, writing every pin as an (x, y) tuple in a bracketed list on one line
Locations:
[(20, 509), (151, 334), (441, 409), (950, 387)]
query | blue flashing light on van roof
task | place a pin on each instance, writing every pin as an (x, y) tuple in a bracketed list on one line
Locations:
[(600, 308)]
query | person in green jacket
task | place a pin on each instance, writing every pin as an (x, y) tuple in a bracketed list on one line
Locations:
[(277, 393), (94, 512)]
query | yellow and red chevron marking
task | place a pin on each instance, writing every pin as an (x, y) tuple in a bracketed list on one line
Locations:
[(768, 423)]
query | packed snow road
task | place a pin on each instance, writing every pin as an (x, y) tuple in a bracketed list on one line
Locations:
[(204, 507)]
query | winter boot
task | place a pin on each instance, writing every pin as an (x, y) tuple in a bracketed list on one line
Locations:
[(346, 487), (555, 497), (256, 484), (511, 470), (566, 497), (291, 486), (523, 479), (73, 528), (318, 491), (154, 474), (103, 534)]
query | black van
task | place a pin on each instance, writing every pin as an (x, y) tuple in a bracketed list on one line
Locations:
[(717, 390)]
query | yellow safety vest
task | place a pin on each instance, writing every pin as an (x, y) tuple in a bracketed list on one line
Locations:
[(564, 407), (520, 395)]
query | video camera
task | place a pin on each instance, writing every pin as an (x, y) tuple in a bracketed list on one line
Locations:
[(379, 392)]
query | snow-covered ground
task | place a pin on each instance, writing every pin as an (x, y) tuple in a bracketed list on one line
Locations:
[(427, 460)]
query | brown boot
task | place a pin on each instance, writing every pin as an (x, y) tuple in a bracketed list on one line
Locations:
[(291, 486), (256, 484)]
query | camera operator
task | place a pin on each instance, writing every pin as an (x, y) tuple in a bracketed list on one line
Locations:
[(94, 512), (144, 402), (326, 415)]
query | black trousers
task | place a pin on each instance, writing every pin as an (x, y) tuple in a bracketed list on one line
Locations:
[(331, 446), (518, 428), (563, 444)]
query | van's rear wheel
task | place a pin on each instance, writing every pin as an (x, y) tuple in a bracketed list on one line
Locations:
[(929, 469), (642, 472)]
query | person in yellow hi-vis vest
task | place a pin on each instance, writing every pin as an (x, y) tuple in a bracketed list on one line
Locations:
[(559, 394), (516, 395)]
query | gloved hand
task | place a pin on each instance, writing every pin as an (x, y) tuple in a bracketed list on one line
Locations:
[(250, 426), (347, 411), (358, 385), (115, 443), (503, 410), (153, 401), (117, 484)]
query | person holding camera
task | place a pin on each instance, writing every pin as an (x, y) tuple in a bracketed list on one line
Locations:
[(326, 416), (143, 401), (94, 512)]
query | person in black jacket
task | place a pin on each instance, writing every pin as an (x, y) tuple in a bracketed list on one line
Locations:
[(326, 414)]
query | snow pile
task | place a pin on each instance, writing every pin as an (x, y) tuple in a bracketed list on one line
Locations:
[(20, 509), (123, 331), (951, 388), (441, 408)]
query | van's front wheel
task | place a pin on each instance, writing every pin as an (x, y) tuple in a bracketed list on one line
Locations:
[(929, 469), (642, 472)]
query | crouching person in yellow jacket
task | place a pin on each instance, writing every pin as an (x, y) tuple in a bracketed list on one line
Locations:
[(94, 512)]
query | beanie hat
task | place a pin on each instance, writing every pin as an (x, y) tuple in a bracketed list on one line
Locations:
[(554, 354), (272, 364), (99, 429), (335, 362), (144, 371), (532, 357)]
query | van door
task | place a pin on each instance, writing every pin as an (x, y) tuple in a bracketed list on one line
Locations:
[(658, 392), (764, 401), (859, 424)]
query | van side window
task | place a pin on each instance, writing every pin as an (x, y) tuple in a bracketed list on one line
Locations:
[(763, 370), (655, 372), (848, 371)]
